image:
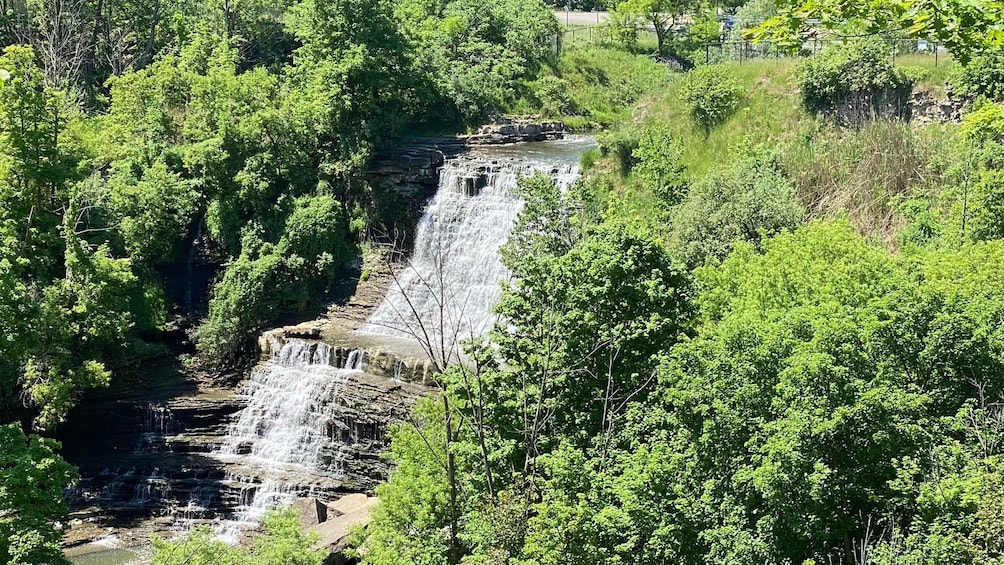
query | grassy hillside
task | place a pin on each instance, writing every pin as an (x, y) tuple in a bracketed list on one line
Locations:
[(861, 172)]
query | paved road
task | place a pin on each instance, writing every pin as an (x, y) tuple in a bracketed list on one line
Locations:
[(581, 18)]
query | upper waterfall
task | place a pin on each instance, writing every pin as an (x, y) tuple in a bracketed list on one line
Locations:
[(449, 285)]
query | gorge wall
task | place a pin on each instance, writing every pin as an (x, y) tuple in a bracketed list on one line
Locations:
[(172, 448)]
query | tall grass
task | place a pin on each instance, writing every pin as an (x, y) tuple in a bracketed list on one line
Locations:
[(863, 173), (836, 171), (604, 83)]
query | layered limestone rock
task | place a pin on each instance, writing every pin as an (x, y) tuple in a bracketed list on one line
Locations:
[(517, 130), (348, 350), (152, 462), (927, 109), (343, 515)]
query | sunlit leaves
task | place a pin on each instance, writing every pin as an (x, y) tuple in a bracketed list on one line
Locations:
[(32, 479), (964, 27)]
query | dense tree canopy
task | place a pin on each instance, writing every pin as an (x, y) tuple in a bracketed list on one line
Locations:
[(695, 362), (32, 479), (964, 27)]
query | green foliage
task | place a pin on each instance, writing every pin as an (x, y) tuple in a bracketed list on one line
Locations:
[(603, 83), (750, 15), (831, 390), (582, 319), (661, 15), (981, 76), (70, 306), (268, 278), (155, 212), (478, 51), (622, 146), (860, 73), (744, 202), (843, 346), (659, 162), (554, 96), (32, 479), (623, 27), (688, 47), (710, 95), (965, 206), (413, 512), (965, 28), (280, 543)]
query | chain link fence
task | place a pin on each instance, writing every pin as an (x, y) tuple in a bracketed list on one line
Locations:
[(742, 51), (732, 51)]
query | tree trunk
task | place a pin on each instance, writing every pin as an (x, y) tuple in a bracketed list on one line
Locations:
[(660, 35), (451, 477)]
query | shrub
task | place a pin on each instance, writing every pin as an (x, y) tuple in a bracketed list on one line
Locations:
[(553, 95), (268, 279), (588, 159), (857, 80), (982, 134), (710, 95), (660, 162), (982, 76), (744, 202), (984, 124), (621, 145)]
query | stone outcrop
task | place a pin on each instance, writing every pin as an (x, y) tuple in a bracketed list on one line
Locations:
[(927, 109), (414, 168), (344, 514), (517, 130), (311, 512), (409, 367), (403, 181)]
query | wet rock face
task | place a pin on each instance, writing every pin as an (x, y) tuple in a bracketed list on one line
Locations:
[(374, 360), (403, 181), (152, 461)]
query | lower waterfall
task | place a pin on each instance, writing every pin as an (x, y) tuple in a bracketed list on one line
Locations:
[(283, 438)]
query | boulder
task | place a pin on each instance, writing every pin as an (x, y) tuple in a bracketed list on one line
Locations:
[(311, 512), (344, 514)]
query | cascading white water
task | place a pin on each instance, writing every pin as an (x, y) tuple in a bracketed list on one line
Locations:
[(447, 291), (285, 429), (354, 360), (282, 444)]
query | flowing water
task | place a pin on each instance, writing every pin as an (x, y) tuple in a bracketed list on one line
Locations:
[(285, 430), (285, 442), (451, 281)]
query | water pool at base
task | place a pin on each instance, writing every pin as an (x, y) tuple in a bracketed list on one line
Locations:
[(107, 557)]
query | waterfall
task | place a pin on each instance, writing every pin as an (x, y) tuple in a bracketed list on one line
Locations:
[(451, 282), (354, 361), (285, 431), (158, 423), (290, 440)]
